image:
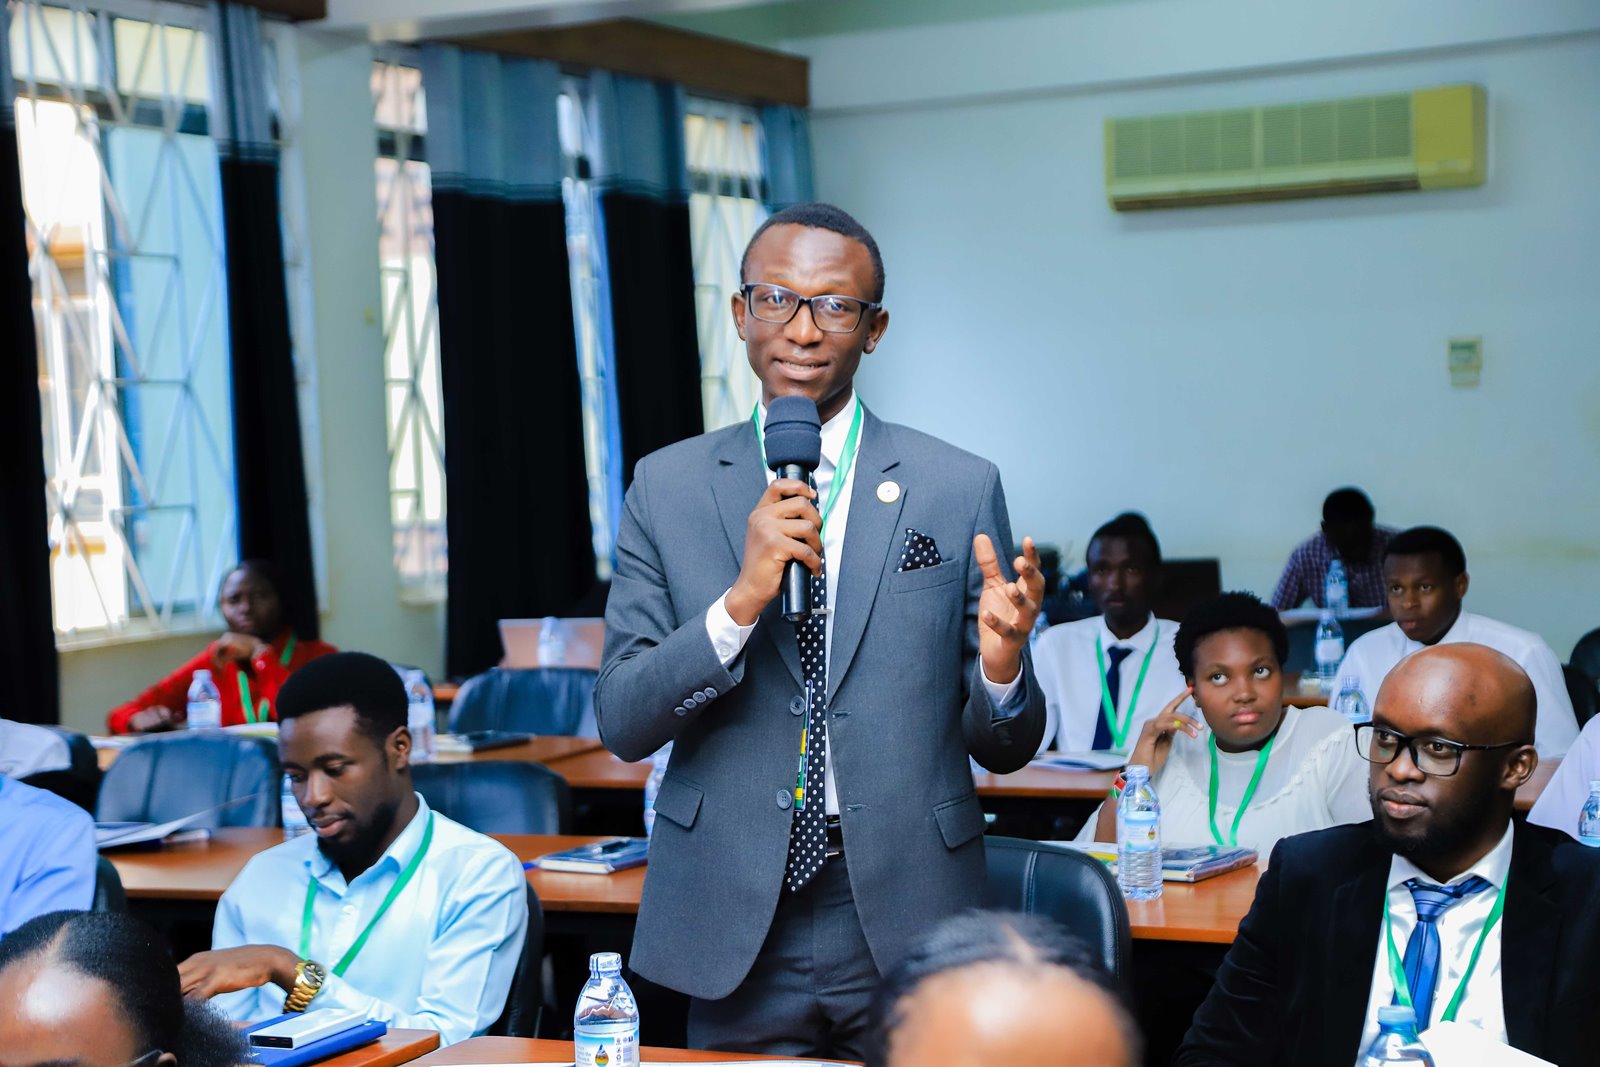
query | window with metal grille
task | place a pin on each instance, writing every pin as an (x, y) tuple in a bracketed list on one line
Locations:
[(410, 329), (725, 207), (125, 244)]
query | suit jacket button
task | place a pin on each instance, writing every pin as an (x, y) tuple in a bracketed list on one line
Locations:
[(797, 705), (681, 710), (711, 694), (785, 800)]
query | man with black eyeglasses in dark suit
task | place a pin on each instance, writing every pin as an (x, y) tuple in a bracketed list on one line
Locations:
[(1442, 902)]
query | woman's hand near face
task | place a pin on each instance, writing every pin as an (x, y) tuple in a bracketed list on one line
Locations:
[(1155, 739)]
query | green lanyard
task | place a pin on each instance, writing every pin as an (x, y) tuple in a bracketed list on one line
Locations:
[(1249, 791), (245, 701), (1119, 733), (847, 458), (1397, 970), (399, 883)]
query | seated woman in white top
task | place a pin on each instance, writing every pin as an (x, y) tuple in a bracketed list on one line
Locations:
[(1253, 771)]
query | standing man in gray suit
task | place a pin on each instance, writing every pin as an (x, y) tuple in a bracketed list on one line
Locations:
[(775, 921)]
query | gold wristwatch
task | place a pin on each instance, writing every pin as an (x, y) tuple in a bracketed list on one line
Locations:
[(308, 978)]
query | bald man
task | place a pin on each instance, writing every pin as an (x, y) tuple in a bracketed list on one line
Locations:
[(1509, 939)]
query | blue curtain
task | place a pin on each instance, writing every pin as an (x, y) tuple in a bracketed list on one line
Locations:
[(518, 517), (268, 461), (27, 628), (641, 171), (786, 156)]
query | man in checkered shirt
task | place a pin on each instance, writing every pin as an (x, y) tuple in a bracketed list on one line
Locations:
[(1348, 534)]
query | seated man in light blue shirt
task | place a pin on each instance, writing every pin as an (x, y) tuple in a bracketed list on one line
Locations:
[(387, 908), (47, 855)]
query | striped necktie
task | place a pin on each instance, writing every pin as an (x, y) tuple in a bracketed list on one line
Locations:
[(1422, 950)]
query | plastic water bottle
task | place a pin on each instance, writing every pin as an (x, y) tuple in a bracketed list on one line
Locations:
[(1329, 650), (652, 785), (552, 644), (420, 715), (1589, 820), (605, 1027), (294, 820), (1397, 1040), (1352, 702), (205, 703), (1336, 589), (1139, 836)]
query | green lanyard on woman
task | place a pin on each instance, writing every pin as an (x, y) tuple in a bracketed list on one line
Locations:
[(250, 712), (1249, 792), (400, 883)]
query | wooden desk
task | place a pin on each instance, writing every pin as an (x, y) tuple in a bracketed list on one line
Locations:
[(532, 1050), (599, 769), (1207, 912), (546, 749), (390, 1050), (445, 693)]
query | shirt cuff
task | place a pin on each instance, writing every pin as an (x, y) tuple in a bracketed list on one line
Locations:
[(1003, 696), (727, 637)]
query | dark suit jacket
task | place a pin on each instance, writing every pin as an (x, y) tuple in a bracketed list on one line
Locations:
[(1294, 987), (906, 701)]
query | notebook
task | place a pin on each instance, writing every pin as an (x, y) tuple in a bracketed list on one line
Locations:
[(1179, 863), (602, 857), (361, 1034)]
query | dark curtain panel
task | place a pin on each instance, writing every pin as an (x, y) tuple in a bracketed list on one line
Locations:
[(644, 206), (268, 462), (521, 545), (27, 628), (786, 155)]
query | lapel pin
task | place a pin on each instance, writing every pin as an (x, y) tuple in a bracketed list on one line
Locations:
[(888, 492)]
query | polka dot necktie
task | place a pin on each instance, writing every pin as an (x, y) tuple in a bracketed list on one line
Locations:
[(808, 834)]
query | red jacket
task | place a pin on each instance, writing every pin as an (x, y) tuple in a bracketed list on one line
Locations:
[(267, 675)]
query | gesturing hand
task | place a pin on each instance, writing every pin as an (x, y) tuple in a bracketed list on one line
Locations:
[(784, 526), (237, 648), (205, 974), (1006, 610), (1155, 739)]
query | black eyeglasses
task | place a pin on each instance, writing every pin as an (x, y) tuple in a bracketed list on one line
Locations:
[(1436, 757), (831, 313)]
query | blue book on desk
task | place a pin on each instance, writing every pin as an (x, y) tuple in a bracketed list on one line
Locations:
[(331, 1045)]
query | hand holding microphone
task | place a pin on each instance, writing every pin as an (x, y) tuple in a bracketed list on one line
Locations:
[(783, 536)]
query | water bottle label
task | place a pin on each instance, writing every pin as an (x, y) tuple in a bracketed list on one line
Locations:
[(1330, 650), (1140, 830), (617, 1046)]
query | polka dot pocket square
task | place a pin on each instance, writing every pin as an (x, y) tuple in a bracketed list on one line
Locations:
[(919, 552)]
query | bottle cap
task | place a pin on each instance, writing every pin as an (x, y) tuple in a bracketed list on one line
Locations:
[(1594, 786), (203, 673), (1396, 1015), (605, 963)]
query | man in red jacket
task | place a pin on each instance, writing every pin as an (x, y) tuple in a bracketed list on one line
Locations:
[(248, 663)]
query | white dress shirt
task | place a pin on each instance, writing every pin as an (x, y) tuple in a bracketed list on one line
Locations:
[(728, 637), (26, 749), (1314, 779), (1374, 655), (1459, 927), (1559, 806), (442, 957), (1069, 674)]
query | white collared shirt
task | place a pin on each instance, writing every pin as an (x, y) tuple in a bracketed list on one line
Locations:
[(728, 637), (26, 749), (1069, 674), (1562, 801), (1374, 655), (1459, 927), (442, 957)]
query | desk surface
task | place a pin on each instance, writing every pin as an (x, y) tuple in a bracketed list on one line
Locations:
[(545, 749), (390, 1050), (532, 1050)]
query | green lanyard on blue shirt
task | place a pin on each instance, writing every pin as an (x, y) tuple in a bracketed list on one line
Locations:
[(349, 957), (841, 474)]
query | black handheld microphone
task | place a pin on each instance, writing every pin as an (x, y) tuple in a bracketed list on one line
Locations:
[(793, 436)]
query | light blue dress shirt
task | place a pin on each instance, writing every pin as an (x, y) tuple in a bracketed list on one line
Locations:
[(442, 957), (47, 855)]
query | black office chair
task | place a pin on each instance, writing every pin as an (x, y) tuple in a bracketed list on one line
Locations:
[(525, 1002), (497, 796), (1586, 655), (108, 894), (165, 777), (1581, 689), (80, 781), (544, 700), (1073, 889)]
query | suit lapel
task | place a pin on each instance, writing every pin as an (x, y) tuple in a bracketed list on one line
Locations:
[(1358, 906), (869, 546), (738, 483), (1529, 942)]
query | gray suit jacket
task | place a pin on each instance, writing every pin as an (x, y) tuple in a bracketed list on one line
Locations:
[(906, 701)]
